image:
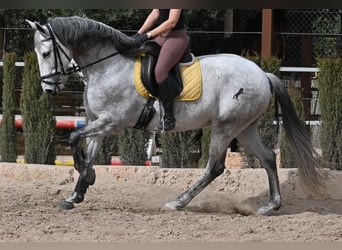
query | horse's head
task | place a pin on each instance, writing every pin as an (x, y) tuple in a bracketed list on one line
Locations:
[(53, 58)]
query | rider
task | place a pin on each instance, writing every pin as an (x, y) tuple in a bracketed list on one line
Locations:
[(166, 27)]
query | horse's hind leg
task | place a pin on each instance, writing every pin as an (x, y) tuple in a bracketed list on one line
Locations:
[(252, 140), (215, 167)]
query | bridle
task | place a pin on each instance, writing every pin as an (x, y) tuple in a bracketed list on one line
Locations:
[(57, 50)]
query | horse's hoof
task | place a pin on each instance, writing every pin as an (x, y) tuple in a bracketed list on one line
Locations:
[(75, 198), (171, 206), (90, 176), (66, 205), (78, 199), (265, 210)]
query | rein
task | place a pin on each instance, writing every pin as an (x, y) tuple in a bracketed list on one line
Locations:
[(58, 61)]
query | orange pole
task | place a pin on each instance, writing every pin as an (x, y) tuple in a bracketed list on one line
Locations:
[(67, 123), (267, 31)]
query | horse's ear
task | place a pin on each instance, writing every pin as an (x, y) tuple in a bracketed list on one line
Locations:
[(32, 24), (42, 29), (37, 26)]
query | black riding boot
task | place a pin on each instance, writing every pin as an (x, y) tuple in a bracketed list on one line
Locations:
[(166, 97)]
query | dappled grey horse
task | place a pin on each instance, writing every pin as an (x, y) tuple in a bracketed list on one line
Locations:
[(236, 92)]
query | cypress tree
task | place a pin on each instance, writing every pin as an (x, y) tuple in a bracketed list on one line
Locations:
[(133, 145), (8, 132), (179, 150), (36, 109), (205, 142), (330, 100), (109, 146)]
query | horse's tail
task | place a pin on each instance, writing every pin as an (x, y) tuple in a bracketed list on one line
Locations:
[(307, 159)]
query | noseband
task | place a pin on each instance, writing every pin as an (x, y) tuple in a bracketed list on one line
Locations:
[(57, 50)]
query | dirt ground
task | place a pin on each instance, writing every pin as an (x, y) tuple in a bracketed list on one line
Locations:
[(124, 206)]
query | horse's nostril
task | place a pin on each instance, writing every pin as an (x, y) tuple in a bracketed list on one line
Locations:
[(50, 92)]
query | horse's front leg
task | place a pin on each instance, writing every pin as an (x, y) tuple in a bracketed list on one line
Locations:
[(83, 163)]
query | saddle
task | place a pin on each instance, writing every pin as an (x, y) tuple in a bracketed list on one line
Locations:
[(149, 58), (188, 69)]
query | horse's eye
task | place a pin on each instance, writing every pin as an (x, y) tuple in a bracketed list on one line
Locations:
[(46, 54)]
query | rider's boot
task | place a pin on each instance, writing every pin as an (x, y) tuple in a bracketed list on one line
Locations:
[(166, 97)]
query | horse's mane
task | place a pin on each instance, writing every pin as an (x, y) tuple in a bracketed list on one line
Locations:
[(84, 33)]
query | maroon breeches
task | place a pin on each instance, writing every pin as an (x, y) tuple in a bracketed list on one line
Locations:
[(173, 45)]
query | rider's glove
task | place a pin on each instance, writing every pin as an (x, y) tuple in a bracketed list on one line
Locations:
[(139, 39)]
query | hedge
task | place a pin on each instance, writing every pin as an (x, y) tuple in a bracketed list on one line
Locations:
[(36, 110), (8, 132)]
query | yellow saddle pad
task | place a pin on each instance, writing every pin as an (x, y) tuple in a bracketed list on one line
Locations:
[(191, 76)]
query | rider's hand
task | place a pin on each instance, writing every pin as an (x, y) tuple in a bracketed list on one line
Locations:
[(140, 38), (135, 35)]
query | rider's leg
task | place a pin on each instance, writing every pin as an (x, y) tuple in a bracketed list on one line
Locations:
[(172, 49), (166, 96)]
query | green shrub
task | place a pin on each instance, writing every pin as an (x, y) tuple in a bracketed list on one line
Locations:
[(8, 132), (179, 150), (36, 109), (330, 100), (205, 142), (132, 146), (105, 153)]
